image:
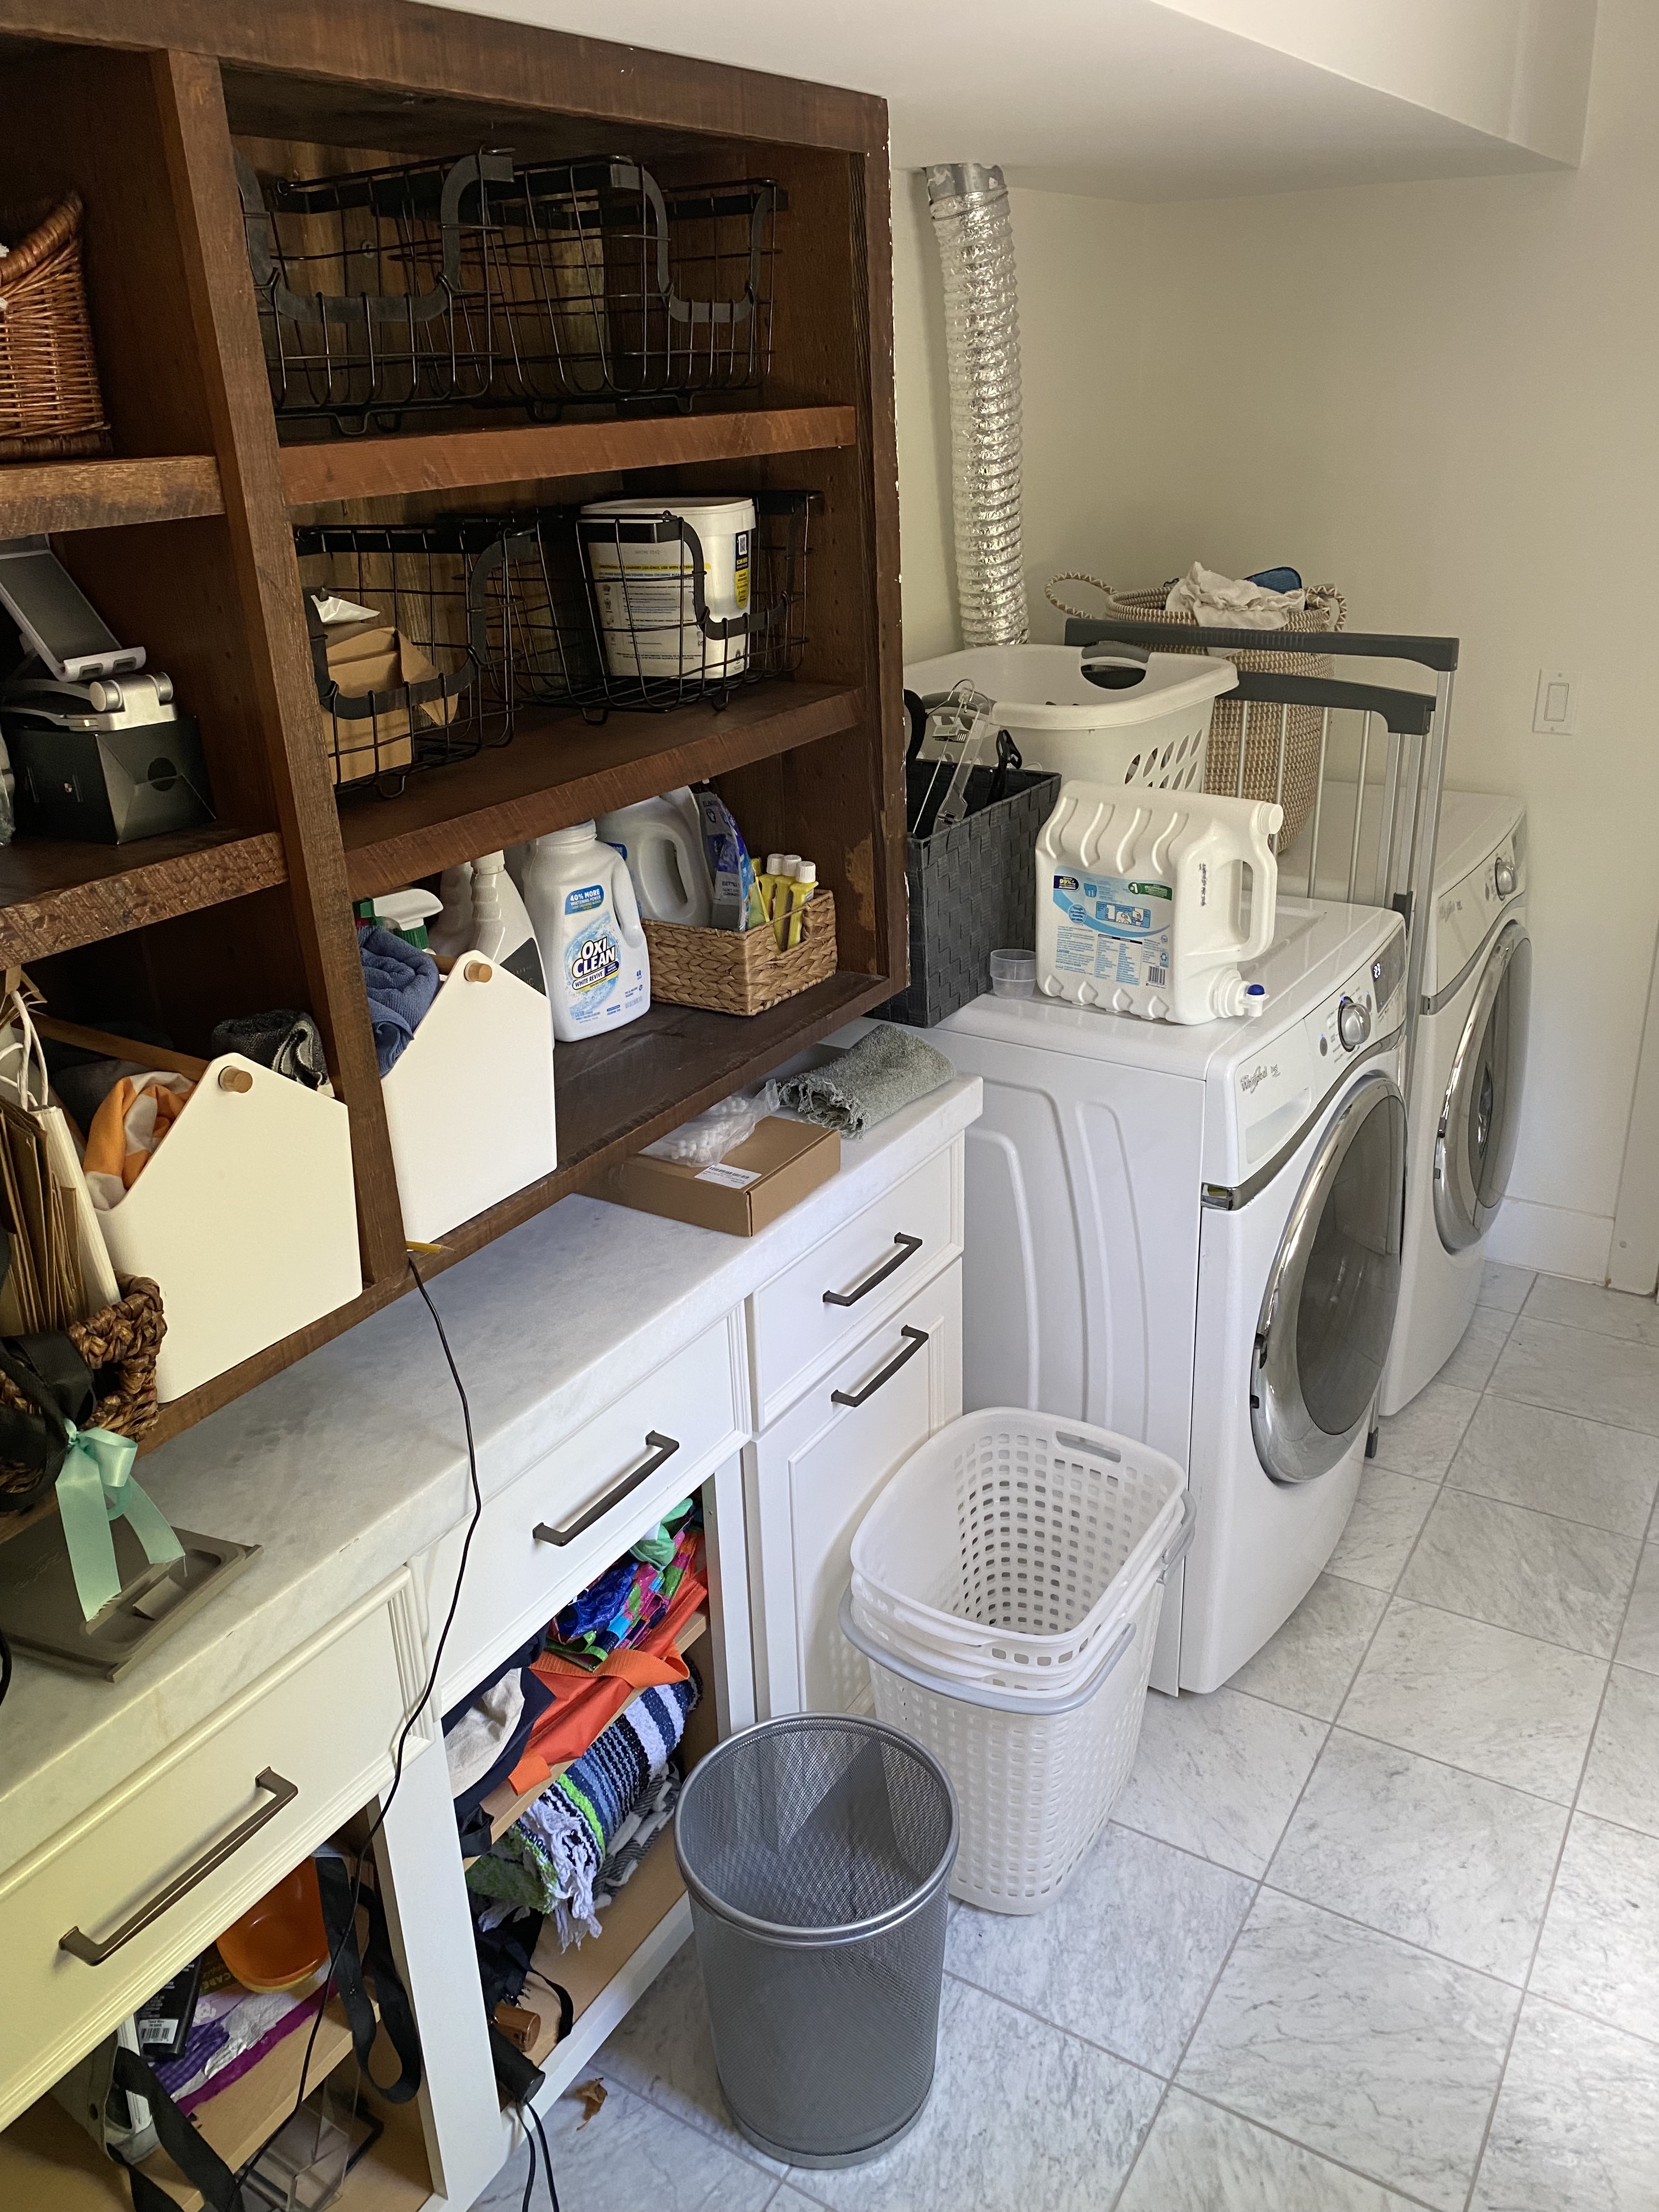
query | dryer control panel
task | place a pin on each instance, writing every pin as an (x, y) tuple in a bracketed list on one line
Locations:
[(1466, 913)]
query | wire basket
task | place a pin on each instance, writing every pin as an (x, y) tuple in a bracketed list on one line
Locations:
[(50, 407), (477, 281)]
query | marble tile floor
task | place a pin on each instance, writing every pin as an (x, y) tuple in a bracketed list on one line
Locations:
[(1374, 1929)]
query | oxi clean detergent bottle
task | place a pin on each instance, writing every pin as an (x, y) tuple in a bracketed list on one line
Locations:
[(587, 925)]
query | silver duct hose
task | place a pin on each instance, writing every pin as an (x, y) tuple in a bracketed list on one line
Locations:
[(970, 207)]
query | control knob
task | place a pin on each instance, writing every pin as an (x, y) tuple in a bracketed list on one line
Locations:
[(1353, 1023), (1502, 878)]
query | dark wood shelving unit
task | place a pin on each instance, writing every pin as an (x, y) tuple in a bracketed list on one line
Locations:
[(183, 540)]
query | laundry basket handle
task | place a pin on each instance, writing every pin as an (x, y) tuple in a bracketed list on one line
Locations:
[(973, 1694)]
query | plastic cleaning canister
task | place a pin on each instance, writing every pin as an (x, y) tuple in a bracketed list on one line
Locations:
[(501, 929), (665, 859), (1148, 902), (451, 934), (587, 924), (643, 573)]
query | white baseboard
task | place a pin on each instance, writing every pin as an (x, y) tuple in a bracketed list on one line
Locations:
[(1553, 1239)]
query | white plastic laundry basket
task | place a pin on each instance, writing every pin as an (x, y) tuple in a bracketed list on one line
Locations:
[(1136, 720)]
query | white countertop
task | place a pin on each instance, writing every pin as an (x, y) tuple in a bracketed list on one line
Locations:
[(353, 1461)]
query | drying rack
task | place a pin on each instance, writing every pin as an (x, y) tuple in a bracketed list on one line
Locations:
[(1392, 786)]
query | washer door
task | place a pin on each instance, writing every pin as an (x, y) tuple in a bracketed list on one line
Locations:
[(1328, 1312), (1480, 1118)]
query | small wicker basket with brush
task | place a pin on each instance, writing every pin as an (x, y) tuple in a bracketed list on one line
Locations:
[(50, 406), (733, 973)]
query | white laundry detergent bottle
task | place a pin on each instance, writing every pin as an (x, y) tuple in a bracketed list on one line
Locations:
[(587, 924), (664, 858), (501, 928), (1148, 902)]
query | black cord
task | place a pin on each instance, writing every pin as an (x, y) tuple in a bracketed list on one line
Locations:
[(5, 1667), (546, 2162), (530, 2118)]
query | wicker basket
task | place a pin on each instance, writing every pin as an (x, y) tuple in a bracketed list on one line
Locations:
[(120, 1344), (1303, 728), (50, 407), (733, 974)]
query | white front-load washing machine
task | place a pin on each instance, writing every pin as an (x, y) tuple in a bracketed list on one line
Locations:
[(1192, 1236)]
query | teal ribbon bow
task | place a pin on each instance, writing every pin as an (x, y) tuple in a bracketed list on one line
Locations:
[(94, 1488)]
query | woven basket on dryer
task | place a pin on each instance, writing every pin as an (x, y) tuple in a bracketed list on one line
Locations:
[(1302, 726), (120, 1344), (50, 407), (733, 973)]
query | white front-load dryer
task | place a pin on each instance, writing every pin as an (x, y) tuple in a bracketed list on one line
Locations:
[(1192, 1236)]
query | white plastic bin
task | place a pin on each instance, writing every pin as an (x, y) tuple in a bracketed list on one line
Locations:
[(1139, 721)]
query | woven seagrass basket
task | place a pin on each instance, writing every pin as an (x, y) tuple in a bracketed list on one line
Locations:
[(119, 1343), (50, 407), (733, 974)]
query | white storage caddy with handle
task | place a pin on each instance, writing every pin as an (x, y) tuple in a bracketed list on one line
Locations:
[(1006, 1588)]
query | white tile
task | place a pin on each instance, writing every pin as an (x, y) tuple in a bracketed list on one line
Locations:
[(1576, 2127), (1439, 1858), (1386, 1516), (1140, 1996), (1493, 1703), (1639, 1644), (1622, 1782), (1529, 1571), (1558, 1463), (1200, 2159), (1599, 1952), (1504, 1288), (1421, 1438), (1021, 2116), (1470, 1366), (1218, 1774), (664, 2052), (1583, 1305), (629, 2155), (1310, 1663), (1365, 2050), (1577, 1371)]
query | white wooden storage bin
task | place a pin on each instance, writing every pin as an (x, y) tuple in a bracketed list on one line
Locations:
[(245, 1217), (469, 1102)]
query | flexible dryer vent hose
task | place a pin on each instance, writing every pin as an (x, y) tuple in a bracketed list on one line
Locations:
[(970, 207)]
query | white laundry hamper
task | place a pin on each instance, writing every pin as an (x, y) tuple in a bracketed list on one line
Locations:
[(1006, 1591)]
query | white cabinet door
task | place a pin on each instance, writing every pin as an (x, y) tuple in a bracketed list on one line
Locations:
[(813, 1476)]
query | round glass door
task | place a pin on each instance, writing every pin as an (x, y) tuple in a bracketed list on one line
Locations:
[(1480, 1118), (1328, 1313)]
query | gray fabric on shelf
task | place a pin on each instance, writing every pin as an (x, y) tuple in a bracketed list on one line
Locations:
[(883, 1071)]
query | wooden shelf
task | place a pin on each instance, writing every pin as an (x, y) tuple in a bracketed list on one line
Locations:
[(55, 894), (47, 495), (560, 769), (587, 1969), (415, 461)]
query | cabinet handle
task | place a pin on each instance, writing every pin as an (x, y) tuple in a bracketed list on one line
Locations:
[(911, 1246), (94, 1953), (662, 1449), (916, 1338)]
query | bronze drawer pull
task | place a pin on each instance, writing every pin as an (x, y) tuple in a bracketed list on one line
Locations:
[(662, 1449), (917, 1338), (94, 1953), (911, 1246)]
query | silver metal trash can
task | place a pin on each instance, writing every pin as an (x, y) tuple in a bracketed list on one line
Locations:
[(818, 1852)]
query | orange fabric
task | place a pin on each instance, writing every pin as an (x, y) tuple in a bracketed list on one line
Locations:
[(583, 1712), (116, 1150)]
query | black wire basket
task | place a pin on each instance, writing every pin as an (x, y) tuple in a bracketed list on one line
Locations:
[(477, 281), (428, 639)]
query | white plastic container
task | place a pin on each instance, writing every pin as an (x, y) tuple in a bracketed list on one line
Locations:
[(1147, 905), (1146, 722), (664, 856), (587, 924), (643, 574)]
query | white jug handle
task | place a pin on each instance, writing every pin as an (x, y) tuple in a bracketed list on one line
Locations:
[(1264, 902)]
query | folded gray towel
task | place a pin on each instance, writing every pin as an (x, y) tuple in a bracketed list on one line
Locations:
[(883, 1071)]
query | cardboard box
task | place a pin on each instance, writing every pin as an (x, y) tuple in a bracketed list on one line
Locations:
[(756, 1182), (373, 657)]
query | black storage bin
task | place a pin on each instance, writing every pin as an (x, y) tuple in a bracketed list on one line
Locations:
[(973, 889)]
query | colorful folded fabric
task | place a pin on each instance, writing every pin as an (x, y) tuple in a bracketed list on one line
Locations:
[(625, 1602), (636, 1835)]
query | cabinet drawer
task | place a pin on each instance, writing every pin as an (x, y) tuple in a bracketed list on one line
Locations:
[(281, 1767), (549, 1532), (826, 1301)]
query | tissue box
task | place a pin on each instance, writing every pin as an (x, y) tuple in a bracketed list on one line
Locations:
[(374, 657), (756, 1182)]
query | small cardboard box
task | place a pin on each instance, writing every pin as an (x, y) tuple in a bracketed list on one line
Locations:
[(373, 657), (757, 1181)]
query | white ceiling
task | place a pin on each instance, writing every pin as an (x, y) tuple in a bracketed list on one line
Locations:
[(1146, 99)]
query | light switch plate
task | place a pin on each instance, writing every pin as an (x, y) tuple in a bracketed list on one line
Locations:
[(1555, 711)]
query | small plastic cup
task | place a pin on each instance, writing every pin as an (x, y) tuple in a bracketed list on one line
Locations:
[(1013, 973)]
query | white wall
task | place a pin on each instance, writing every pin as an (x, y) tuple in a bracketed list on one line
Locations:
[(1445, 399)]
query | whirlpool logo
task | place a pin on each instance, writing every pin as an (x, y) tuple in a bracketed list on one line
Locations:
[(1257, 1077)]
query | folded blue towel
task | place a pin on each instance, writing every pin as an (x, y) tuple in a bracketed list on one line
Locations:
[(402, 982)]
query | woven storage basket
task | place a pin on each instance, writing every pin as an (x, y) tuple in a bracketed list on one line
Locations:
[(119, 1343), (733, 973), (1324, 611), (50, 407)]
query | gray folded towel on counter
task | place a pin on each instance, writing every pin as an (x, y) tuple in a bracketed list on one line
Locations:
[(883, 1071)]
